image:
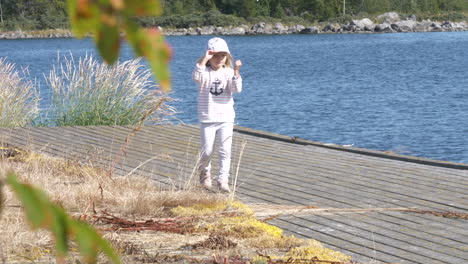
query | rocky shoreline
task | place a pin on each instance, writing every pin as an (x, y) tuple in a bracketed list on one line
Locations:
[(390, 23)]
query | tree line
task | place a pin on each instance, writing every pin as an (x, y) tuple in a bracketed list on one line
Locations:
[(319, 9), (33, 14), (49, 14)]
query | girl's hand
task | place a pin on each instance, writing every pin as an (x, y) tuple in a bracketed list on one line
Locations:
[(237, 65), (209, 54)]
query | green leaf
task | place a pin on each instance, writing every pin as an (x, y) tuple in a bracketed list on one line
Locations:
[(134, 36), (158, 58), (90, 243), (151, 44), (108, 43), (84, 17), (104, 19), (34, 202), (60, 230), (44, 214)]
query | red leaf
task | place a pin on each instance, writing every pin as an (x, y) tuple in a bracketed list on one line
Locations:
[(118, 4), (83, 9)]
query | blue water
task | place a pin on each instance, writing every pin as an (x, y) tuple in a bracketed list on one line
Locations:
[(406, 93)]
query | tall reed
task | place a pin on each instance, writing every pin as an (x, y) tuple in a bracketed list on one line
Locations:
[(89, 92), (19, 100)]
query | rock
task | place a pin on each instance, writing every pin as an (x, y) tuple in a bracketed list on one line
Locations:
[(461, 26), (218, 31), (330, 28), (363, 23), (268, 29), (390, 17), (258, 28), (369, 28), (299, 28), (352, 28), (191, 32), (278, 28), (383, 28), (412, 17), (404, 26), (235, 31), (435, 27), (206, 30), (448, 26), (422, 26), (295, 29), (310, 30)]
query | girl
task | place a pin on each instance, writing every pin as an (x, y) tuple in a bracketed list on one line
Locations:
[(217, 84)]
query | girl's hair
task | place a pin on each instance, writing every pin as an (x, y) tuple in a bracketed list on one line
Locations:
[(228, 62)]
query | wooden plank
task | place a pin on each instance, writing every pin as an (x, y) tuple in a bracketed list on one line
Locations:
[(362, 167), (362, 239), (381, 235)]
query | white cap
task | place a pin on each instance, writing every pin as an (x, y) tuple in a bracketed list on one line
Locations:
[(218, 45)]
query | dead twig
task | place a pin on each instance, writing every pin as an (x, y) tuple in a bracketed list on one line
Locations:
[(447, 214), (226, 260), (305, 261), (128, 139), (180, 225)]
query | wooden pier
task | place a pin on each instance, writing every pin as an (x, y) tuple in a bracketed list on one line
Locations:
[(377, 207)]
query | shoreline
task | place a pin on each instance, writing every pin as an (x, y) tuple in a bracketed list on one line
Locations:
[(387, 23)]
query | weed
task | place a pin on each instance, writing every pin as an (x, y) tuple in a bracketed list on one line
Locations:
[(89, 92), (19, 100)]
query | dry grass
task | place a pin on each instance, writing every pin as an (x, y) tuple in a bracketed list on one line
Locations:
[(82, 190), (217, 225)]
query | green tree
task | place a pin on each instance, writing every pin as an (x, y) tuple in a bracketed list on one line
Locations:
[(248, 8), (34, 14), (1, 13), (292, 7), (263, 8), (452, 5), (321, 9), (230, 7), (279, 11), (430, 6)]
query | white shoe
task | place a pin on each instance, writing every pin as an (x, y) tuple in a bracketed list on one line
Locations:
[(205, 179), (224, 186)]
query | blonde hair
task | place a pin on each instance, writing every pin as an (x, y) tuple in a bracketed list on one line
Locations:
[(228, 62)]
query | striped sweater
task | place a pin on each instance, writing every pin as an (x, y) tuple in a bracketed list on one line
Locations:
[(215, 90)]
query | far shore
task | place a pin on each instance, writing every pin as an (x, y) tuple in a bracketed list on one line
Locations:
[(385, 23)]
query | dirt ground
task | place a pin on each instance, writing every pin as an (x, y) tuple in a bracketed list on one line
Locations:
[(183, 241)]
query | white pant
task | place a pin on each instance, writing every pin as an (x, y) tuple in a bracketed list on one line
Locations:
[(208, 136)]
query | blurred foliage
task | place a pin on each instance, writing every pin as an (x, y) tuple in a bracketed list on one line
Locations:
[(43, 214), (105, 20)]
